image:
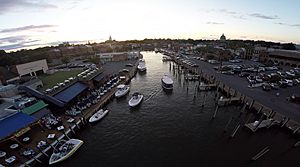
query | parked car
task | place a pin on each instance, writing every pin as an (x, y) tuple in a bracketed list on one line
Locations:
[(283, 84), (258, 79), (274, 86), (266, 87), (294, 98), (129, 65), (251, 79), (228, 72), (244, 74)]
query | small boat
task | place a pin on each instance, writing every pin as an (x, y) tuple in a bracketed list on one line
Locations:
[(98, 115), (136, 99), (141, 66), (122, 90), (167, 82), (64, 149)]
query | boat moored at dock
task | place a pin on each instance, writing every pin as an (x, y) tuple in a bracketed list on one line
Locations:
[(142, 66), (167, 82), (98, 115), (64, 149), (122, 90)]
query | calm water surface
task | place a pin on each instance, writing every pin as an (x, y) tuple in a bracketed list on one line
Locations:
[(172, 129)]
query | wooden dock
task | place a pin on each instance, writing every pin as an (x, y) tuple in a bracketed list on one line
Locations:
[(38, 132)]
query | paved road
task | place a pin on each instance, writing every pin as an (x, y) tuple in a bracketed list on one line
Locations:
[(268, 99)]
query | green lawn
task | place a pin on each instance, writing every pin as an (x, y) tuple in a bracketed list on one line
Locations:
[(49, 80)]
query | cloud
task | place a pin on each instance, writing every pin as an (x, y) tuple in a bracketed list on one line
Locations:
[(234, 14), (262, 16), (17, 46), (228, 12), (8, 5), (18, 42), (215, 23), (26, 28), (12, 39), (295, 25), (290, 25)]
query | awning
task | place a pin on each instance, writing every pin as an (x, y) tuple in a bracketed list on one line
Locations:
[(34, 108), (14, 123), (99, 77), (71, 92), (41, 113)]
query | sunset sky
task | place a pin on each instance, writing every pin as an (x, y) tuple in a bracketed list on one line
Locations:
[(34, 23)]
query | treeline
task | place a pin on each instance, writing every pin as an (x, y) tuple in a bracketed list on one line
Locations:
[(24, 56)]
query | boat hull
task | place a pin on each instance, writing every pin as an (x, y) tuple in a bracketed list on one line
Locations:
[(78, 144), (95, 118), (166, 86), (133, 103), (119, 94)]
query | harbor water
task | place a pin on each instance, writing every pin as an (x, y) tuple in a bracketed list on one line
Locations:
[(176, 129)]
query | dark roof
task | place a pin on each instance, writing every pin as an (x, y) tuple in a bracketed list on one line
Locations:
[(71, 92), (40, 95), (99, 77), (7, 74), (41, 113), (14, 123)]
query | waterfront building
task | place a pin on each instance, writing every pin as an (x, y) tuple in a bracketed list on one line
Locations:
[(281, 57), (32, 68), (117, 56)]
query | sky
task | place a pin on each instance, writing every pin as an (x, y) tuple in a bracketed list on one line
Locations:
[(35, 23)]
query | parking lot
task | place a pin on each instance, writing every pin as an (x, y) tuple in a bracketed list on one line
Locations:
[(274, 99)]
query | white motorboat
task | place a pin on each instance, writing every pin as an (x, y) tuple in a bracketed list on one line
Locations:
[(136, 99), (122, 90), (64, 149), (141, 66), (98, 115), (167, 82)]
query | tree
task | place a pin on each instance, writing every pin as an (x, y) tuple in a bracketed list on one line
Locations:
[(289, 46), (65, 60), (2, 52), (95, 59)]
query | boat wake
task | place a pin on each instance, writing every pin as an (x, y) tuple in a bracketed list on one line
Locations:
[(152, 94)]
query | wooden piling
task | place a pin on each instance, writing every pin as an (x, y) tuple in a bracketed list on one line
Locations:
[(228, 123), (204, 99), (72, 129), (285, 121), (261, 153), (66, 135), (235, 130), (244, 107), (261, 108), (252, 103), (216, 110), (39, 161), (296, 130), (297, 144)]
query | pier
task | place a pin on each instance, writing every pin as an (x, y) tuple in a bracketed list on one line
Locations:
[(232, 96), (70, 127)]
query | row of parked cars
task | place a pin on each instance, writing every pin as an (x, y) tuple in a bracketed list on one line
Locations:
[(259, 75), (185, 61)]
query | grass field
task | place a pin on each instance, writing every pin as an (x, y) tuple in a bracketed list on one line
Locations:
[(49, 80)]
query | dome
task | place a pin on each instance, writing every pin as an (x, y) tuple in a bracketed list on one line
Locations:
[(222, 38)]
